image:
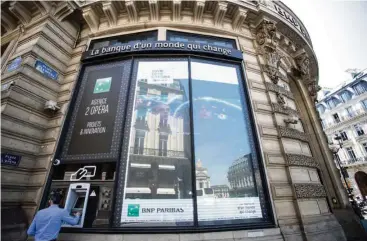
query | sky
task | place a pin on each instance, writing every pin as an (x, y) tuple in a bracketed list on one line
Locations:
[(338, 31)]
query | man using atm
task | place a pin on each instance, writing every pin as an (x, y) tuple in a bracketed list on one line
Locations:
[(47, 223)]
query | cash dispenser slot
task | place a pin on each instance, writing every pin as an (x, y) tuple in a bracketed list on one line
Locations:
[(76, 201)]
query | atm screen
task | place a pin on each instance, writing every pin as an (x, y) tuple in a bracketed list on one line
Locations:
[(79, 202)]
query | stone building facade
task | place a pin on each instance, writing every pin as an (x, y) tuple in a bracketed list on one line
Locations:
[(343, 112), (43, 46)]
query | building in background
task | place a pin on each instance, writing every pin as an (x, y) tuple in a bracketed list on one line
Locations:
[(343, 111), (240, 177)]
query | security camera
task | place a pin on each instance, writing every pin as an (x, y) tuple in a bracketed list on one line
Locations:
[(56, 162)]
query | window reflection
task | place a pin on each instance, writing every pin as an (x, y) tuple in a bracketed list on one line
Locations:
[(225, 184), (199, 38), (158, 186), (124, 39)]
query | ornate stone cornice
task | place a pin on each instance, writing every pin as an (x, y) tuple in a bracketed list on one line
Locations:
[(309, 190), (91, 17), (239, 18), (278, 89), (301, 160), (7, 21), (64, 9), (132, 11), (292, 133), (43, 6), (154, 10), (219, 13), (199, 6), (176, 10), (109, 9), (22, 13)]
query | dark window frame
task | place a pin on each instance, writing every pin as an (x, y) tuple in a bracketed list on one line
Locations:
[(265, 203), (336, 118), (344, 135)]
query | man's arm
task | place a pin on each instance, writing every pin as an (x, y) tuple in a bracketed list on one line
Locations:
[(69, 219), (32, 228)]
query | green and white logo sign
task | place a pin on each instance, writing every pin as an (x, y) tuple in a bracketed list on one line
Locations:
[(102, 85), (133, 210)]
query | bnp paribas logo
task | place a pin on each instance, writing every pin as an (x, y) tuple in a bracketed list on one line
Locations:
[(133, 210), (102, 85)]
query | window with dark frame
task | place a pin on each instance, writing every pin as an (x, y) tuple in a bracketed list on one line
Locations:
[(344, 136), (168, 118), (360, 88), (359, 130), (365, 146), (351, 153), (336, 118), (165, 158), (346, 96), (331, 103)]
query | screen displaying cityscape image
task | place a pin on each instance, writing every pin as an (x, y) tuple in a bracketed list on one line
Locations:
[(158, 190)]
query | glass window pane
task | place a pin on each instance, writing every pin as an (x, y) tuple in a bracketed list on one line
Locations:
[(224, 152), (158, 190)]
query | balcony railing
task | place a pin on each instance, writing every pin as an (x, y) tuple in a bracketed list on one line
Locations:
[(358, 160), (346, 118), (156, 152)]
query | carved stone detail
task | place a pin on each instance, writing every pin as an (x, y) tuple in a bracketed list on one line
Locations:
[(265, 34), (292, 133), (309, 190), (239, 18), (313, 88), (303, 64), (219, 13), (199, 10), (284, 110), (91, 17), (132, 11), (63, 10), (301, 160), (7, 21), (176, 10), (154, 10), (265, 38), (279, 89), (273, 72), (20, 12), (109, 9), (281, 100), (43, 6)]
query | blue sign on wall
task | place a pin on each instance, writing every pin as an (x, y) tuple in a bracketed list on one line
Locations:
[(15, 64), (46, 70), (10, 159)]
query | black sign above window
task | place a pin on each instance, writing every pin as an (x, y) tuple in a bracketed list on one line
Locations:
[(163, 47), (95, 127)]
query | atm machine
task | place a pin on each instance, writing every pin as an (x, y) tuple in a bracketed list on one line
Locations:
[(76, 201)]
